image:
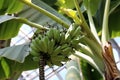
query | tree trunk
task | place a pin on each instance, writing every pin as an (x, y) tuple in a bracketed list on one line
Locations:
[(111, 70)]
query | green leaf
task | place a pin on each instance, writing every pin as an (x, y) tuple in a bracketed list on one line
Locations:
[(114, 23), (10, 6), (98, 18), (2, 75), (4, 18), (92, 5), (50, 2), (89, 72), (17, 68), (92, 61), (17, 53), (114, 17), (8, 27), (40, 18), (28, 64), (18, 59), (5, 67), (114, 4), (20, 55)]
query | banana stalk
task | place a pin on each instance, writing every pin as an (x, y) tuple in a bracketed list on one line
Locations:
[(41, 68)]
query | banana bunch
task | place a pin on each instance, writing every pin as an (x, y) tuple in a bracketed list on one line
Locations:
[(55, 45), (73, 36), (10, 6), (52, 46)]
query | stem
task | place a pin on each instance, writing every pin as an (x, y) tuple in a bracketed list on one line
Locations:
[(97, 50), (105, 30), (89, 60), (81, 15), (92, 26), (41, 68), (57, 19), (86, 50), (84, 24), (31, 24)]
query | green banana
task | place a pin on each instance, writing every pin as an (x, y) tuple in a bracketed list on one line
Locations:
[(67, 51), (76, 32), (68, 39), (36, 59), (62, 38), (73, 29), (66, 59), (56, 34), (56, 61), (43, 45), (59, 58), (57, 50), (77, 47), (70, 30), (64, 46), (51, 46), (33, 47), (75, 41), (49, 63), (34, 53), (35, 42), (50, 33), (46, 40)]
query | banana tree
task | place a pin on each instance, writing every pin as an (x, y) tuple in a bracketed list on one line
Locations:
[(95, 23)]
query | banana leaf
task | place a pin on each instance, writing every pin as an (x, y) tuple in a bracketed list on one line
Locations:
[(114, 4), (114, 18), (16, 60), (10, 6), (17, 53), (39, 18), (114, 23), (9, 27), (92, 5), (89, 72)]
